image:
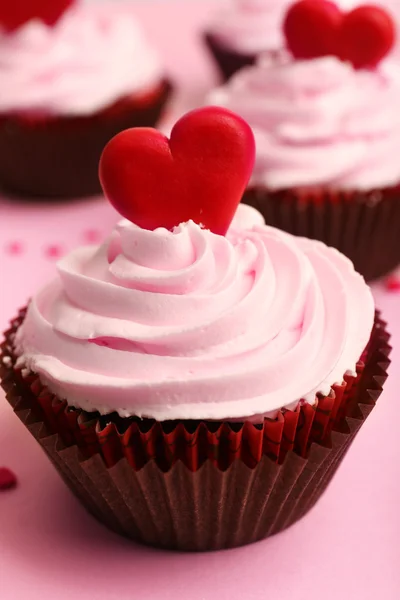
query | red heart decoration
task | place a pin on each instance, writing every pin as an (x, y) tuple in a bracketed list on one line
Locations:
[(14, 13), (316, 28), (367, 35), (311, 28), (199, 174)]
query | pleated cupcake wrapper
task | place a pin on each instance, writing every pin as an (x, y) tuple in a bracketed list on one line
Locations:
[(140, 441), (363, 226), (59, 157), (225, 497), (228, 61)]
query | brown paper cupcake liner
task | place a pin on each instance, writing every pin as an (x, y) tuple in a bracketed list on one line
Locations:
[(364, 225), (58, 157), (228, 61), (192, 442), (224, 497)]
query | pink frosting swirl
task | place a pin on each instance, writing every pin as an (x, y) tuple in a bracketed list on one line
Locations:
[(319, 122), (191, 325), (89, 60)]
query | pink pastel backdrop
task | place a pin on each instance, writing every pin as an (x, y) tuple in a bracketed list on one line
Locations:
[(348, 547)]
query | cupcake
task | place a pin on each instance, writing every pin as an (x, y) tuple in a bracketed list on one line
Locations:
[(327, 131), (195, 381), (71, 77), (244, 29)]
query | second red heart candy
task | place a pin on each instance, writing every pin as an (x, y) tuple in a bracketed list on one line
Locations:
[(315, 28), (367, 34), (15, 13), (311, 28)]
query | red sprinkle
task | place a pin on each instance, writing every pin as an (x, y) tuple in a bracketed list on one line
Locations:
[(8, 479), (92, 235), (14, 248), (392, 283), (53, 251)]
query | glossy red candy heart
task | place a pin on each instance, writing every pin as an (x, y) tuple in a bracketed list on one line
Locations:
[(14, 13), (316, 28), (311, 28), (199, 174), (366, 36)]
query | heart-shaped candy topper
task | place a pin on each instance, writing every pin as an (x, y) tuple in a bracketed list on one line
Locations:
[(367, 35), (311, 28), (199, 174), (14, 13), (315, 28)]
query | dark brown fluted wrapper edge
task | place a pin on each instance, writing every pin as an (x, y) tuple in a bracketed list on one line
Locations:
[(228, 61), (208, 509), (364, 225), (59, 157)]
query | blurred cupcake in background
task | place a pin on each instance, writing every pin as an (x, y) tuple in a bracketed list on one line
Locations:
[(71, 77), (327, 129), (244, 29)]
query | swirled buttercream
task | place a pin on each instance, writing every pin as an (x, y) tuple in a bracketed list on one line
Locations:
[(319, 122), (90, 59), (186, 324)]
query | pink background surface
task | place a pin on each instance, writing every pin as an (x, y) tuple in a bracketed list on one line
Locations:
[(347, 547)]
